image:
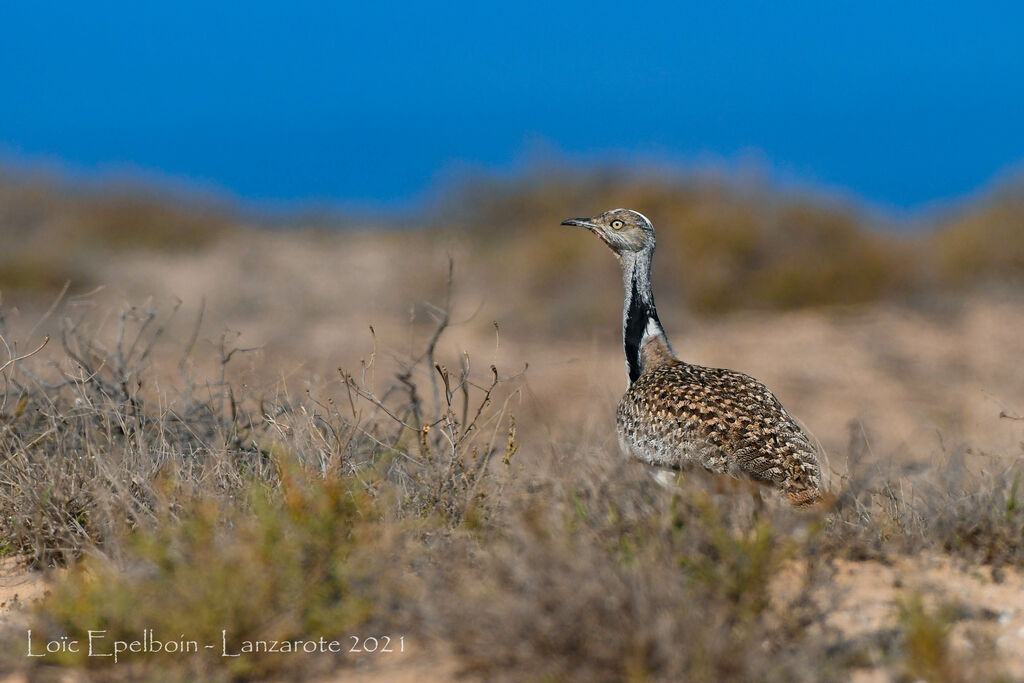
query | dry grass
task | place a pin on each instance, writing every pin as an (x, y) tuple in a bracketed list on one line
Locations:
[(734, 248), (191, 484), (398, 507)]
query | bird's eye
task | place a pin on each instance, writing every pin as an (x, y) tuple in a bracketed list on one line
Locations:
[(616, 224)]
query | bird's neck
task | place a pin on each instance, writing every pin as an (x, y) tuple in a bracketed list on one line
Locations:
[(643, 337)]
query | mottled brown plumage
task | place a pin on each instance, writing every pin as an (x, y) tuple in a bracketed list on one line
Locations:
[(675, 414), (724, 421)]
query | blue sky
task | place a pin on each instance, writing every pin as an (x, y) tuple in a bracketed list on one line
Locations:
[(374, 104)]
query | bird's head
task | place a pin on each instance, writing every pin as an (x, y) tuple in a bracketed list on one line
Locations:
[(624, 230)]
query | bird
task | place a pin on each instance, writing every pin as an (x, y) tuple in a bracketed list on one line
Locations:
[(675, 414)]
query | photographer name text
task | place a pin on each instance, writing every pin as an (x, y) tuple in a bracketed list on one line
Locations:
[(99, 643)]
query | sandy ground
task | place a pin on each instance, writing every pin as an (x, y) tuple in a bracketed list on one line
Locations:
[(18, 587), (919, 382), (862, 604)]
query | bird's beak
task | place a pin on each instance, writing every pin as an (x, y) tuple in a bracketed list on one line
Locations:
[(581, 222)]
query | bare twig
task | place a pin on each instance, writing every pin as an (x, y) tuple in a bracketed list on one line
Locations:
[(12, 361)]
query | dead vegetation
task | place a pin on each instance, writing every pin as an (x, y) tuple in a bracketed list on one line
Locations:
[(734, 248), (393, 500), (415, 493)]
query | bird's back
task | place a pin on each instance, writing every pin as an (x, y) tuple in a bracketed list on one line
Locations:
[(725, 421)]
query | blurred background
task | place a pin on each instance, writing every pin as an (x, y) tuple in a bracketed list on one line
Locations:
[(838, 192)]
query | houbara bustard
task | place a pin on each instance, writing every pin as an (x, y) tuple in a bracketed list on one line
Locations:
[(675, 414)]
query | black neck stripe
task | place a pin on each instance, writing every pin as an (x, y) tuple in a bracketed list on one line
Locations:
[(638, 316)]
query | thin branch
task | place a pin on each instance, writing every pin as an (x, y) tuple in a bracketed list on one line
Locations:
[(12, 361)]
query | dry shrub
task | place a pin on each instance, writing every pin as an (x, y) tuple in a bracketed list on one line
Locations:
[(51, 235), (88, 458), (95, 445), (972, 513), (729, 246), (788, 256), (287, 564), (389, 500), (985, 244), (208, 508), (21, 272), (38, 213), (607, 576), (726, 248)]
